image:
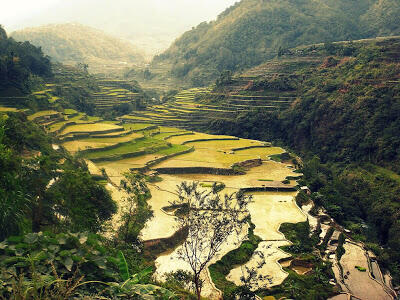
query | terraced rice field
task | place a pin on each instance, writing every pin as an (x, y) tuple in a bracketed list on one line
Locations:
[(42, 114), (268, 210), (195, 137), (112, 94), (146, 144), (7, 109), (135, 126), (90, 128), (268, 219), (108, 138), (75, 146)]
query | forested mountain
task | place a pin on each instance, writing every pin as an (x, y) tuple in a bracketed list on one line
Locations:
[(151, 25), (252, 31), (74, 43), (345, 123), (19, 63)]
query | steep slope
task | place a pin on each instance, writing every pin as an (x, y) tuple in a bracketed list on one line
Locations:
[(20, 65), (151, 25), (252, 31), (74, 43), (345, 122)]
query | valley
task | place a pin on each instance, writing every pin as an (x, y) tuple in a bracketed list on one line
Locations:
[(258, 157), (149, 144)]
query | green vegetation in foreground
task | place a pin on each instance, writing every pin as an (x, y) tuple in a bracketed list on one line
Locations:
[(49, 245), (146, 144)]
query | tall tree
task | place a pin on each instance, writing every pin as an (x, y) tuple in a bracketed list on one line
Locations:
[(209, 219), (137, 211)]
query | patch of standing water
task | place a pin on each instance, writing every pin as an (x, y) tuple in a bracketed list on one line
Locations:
[(268, 211)]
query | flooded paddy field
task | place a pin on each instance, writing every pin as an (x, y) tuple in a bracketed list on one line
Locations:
[(268, 209)]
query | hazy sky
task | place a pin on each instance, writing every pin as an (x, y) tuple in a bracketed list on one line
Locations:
[(153, 23)]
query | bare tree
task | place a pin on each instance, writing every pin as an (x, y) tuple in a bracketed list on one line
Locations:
[(209, 219)]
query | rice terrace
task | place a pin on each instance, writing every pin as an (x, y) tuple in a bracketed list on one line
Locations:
[(180, 155), (193, 150), (175, 155)]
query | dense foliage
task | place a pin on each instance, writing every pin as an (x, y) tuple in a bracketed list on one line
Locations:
[(50, 211), (348, 114), (70, 266), (252, 31), (346, 111), (20, 62), (43, 188)]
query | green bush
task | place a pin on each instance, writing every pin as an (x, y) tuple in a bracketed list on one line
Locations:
[(340, 249), (37, 261), (361, 269)]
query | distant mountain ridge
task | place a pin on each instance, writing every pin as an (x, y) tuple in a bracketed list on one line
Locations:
[(73, 43), (251, 31)]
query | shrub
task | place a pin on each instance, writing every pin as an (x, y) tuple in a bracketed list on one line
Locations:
[(37, 261)]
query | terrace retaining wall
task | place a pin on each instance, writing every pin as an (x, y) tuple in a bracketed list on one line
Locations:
[(252, 147), (199, 170), (127, 155), (209, 140), (270, 188), (84, 134), (112, 136), (161, 159), (251, 163), (178, 134), (94, 150)]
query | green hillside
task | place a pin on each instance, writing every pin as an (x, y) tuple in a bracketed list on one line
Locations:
[(342, 117), (74, 43), (21, 65), (252, 31)]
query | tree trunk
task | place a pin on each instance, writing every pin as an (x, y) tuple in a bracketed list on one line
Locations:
[(37, 215), (197, 284)]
